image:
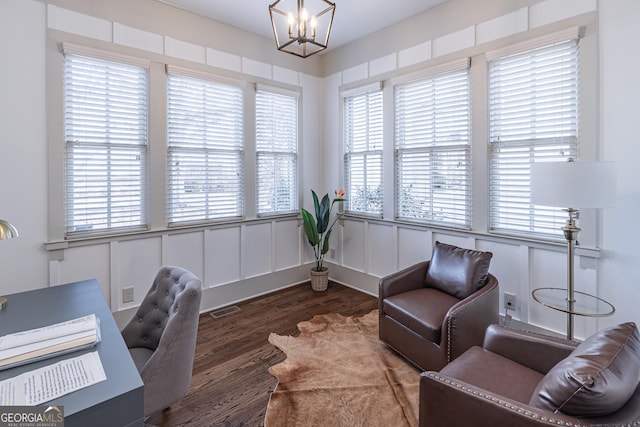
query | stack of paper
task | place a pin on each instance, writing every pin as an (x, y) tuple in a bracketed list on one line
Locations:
[(36, 344)]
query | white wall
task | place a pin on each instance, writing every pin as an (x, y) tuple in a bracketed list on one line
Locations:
[(235, 261), (232, 266), (370, 249), (23, 148), (619, 281)]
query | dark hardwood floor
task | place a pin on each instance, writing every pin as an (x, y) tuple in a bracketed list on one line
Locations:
[(231, 383)]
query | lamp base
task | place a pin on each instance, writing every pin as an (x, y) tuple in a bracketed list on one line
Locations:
[(3, 303)]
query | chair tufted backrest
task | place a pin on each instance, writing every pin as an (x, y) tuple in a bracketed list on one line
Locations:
[(174, 291)]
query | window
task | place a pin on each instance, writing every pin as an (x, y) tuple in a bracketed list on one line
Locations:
[(205, 149), (106, 145), (533, 115), (432, 148), (363, 152), (276, 152)]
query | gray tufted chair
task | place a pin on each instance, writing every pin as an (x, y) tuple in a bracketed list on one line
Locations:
[(161, 337)]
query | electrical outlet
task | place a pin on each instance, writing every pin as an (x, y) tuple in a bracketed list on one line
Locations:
[(127, 294), (332, 253), (509, 301)]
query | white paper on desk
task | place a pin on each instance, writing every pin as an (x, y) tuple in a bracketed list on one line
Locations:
[(49, 382), (72, 328), (36, 344)]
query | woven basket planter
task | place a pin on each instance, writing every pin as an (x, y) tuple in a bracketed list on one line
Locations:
[(319, 279)]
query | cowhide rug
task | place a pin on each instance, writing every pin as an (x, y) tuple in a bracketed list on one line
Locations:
[(338, 373)]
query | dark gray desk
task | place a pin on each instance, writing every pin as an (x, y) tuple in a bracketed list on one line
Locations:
[(118, 401)]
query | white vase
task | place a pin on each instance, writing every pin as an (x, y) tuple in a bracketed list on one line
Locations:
[(319, 279)]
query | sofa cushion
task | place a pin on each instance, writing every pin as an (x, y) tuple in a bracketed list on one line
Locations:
[(421, 310), (457, 271), (597, 378)]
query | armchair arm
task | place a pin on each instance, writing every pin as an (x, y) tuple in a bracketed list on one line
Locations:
[(402, 281), (466, 322), (445, 401), (536, 351)]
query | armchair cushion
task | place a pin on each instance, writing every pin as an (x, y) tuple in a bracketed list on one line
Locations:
[(597, 378), (457, 271), (421, 310)]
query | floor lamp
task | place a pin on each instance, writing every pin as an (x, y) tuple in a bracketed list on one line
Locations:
[(573, 185), (7, 231)]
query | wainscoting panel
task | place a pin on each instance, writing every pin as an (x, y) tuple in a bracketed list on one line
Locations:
[(519, 265), (256, 249), (185, 250), (354, 246), (455, 240), (137, 262), (286, 244), (86, 263), (223, 254), (413, 246), (512, 273), (383, 249)]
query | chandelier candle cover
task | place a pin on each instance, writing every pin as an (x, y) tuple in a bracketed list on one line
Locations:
[(301, 29)]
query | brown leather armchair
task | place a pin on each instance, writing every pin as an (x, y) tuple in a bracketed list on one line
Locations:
[(435, 310), (525, 379)]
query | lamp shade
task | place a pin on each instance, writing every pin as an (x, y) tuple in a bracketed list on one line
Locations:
[(7, 230), (574, 184)]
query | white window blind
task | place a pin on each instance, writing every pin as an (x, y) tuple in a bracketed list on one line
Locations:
[(533, 117), (432, 142), (106, 145), (205, 150), (363, 126), (276, 153)]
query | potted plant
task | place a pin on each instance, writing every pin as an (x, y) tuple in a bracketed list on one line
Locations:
[(318, 231)]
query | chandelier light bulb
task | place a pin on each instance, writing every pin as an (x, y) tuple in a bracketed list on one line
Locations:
[(296, 27)]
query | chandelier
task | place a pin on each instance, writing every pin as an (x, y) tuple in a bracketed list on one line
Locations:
[(301, 27)]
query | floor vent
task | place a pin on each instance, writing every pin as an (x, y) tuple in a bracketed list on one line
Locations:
[(224, 311)]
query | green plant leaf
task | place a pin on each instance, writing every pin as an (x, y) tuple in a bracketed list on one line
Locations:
[(325, 243), (316, 206), (310, 227), (323, 214)]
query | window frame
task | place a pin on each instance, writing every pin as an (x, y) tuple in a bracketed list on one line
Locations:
[(444, 71), (367, 154), (294, 200), (213, 149), (117, 147), (544, 223)]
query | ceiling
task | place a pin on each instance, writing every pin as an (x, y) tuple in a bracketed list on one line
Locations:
[(354, 19)]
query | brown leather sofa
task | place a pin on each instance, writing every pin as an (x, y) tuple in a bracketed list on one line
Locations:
[(435, 310), (524, 379)]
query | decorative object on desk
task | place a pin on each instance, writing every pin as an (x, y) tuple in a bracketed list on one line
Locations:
[(318, 231), (7, 231), (354, 379), (161, 337), (302, 27), (573, 185)]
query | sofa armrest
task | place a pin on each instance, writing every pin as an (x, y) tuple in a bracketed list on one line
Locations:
[(533, 350), (466, 322), (402, 281), (445, 401)]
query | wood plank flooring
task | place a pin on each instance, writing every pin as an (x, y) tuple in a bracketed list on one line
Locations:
[(231, 385)]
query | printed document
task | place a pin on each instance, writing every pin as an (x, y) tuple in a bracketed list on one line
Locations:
[(49, 382), (36, 344)]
